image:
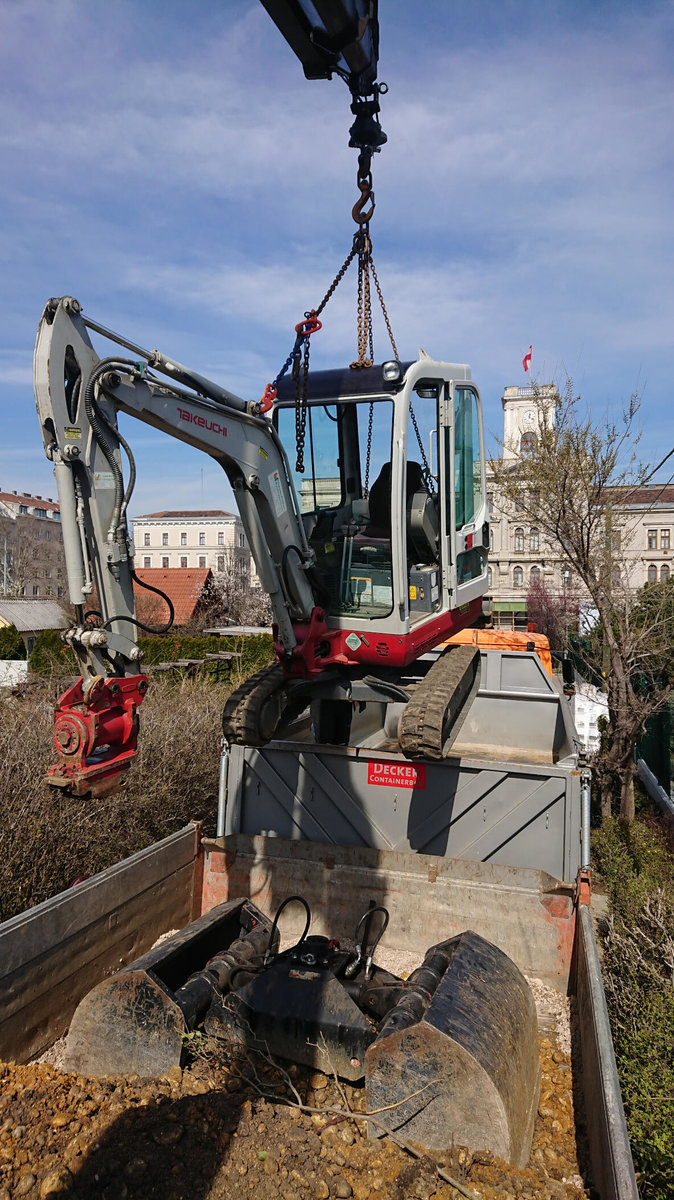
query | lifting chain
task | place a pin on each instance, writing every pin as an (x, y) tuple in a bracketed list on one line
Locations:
[(298, 359)]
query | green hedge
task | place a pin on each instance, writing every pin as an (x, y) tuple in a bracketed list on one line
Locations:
[(50, 655), (11, 643), (636, 865)]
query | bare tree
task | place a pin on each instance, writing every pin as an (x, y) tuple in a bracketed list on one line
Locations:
[(31, 556), (574, 479)]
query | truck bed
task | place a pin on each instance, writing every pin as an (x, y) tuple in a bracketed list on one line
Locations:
[(53, 954)]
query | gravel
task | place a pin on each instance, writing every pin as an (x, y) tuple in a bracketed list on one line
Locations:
[(207, 1133)]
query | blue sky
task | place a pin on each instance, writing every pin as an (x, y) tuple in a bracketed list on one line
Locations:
[(168, 165)]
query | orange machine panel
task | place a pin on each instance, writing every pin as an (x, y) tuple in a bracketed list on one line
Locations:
[(504, 639)]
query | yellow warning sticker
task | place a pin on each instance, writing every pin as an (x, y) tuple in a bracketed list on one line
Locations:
[(413, 592), (72, 433)]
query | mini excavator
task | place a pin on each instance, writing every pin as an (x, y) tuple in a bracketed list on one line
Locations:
[(361, 492)]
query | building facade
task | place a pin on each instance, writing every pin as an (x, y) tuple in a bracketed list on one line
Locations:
[(642, 527), (214, 539), (32, 562)]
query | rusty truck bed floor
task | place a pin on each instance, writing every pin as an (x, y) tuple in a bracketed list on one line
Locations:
[(208, 1133)]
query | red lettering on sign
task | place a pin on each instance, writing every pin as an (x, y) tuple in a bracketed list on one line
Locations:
[(195, 419), (397, 774)]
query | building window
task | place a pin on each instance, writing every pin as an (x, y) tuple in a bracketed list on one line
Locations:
[(165, 561), (147, 561), (527, 442), (164, 539), (652, 539), (36, 590), (47, 535), (146, 539), (40, 512), (664, 539), (59, 591), (202, 539), (242, 541), (652, 573), (519, 538), (221, 537), (47, 572), (664, 573), (183, 538), (491, 539), (490, 503), (202, 560), (488, 577), (50, 591), (566, 578), (535, 575), (221, 562), (518, 577), (23, 509), (533, 539), (183, 560)]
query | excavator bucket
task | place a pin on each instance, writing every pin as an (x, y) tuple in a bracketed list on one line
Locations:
[(465, 1069), (135, 1022), (448, 1056)]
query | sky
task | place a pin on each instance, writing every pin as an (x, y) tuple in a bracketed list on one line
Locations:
[(168, 165)]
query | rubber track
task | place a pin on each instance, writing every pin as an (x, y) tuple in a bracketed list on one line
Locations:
[(242, 715), (430, 720)]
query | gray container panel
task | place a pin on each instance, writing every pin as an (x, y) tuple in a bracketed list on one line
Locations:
[(481, 810)]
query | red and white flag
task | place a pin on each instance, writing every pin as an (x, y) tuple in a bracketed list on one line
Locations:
[(526, 361)]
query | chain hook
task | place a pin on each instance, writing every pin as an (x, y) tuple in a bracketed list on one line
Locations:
[(358, 212)]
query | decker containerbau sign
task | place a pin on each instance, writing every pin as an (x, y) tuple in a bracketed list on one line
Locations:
[(397, 774)]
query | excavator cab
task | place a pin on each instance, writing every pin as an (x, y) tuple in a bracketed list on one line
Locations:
[(390, 473)]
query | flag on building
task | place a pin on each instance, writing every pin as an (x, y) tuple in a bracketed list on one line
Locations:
[(526, 361)]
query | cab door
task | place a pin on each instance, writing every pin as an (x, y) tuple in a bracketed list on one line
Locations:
[(468, 493)]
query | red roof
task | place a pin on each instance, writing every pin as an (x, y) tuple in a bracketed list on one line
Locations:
[(31, 501), (185, 586), (648, 494), (181, 512)]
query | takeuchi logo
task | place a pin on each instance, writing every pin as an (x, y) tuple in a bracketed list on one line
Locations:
[(202, 422)]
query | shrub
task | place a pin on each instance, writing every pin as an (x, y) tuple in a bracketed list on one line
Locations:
[(50, 656), (638, 965), (11, 643), (48, 839)]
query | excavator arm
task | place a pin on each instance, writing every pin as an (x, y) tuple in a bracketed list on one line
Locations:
[(78, 398)]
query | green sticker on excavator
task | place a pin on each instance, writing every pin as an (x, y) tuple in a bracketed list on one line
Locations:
[(72, 433)]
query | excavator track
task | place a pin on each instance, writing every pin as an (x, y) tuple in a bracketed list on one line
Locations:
[(254, 709), (434, 713)]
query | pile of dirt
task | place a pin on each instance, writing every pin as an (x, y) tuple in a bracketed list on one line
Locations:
[(232, 1129)]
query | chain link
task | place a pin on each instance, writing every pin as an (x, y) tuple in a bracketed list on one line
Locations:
[(368, 455), (299, 355), (425, 469)]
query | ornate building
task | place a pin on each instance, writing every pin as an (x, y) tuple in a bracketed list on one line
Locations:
[(643, 525)]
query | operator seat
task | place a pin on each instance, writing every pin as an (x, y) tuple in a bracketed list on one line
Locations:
[(380, 497)]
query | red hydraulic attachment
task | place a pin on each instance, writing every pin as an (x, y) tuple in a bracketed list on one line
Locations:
[(95, 733)]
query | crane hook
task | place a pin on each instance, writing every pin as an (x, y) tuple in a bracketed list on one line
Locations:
[(360, 216)]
